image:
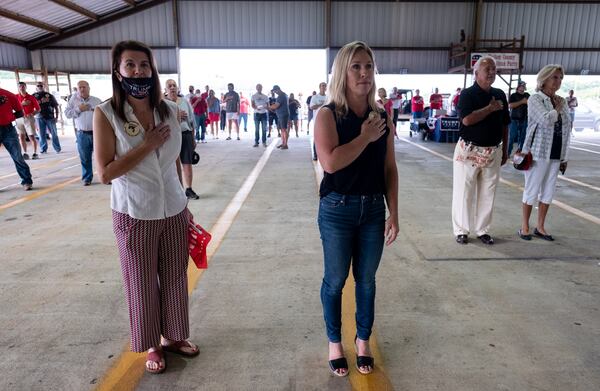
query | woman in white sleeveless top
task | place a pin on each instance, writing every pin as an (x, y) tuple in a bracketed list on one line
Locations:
[(137, 141)]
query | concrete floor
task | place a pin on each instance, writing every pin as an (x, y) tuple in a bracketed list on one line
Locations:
[(515, 316)]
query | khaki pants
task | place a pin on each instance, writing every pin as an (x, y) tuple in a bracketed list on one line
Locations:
[(26, 125), (473, 194)]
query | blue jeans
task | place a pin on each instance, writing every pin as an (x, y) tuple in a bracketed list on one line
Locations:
[(244, 117), (260, 118), (85, 146), (352, 232), (223, 119), (49, 124), (200, 124), (8, 138), (518, 128)]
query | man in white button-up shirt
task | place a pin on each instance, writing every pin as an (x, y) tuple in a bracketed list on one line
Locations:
[(81, 109)]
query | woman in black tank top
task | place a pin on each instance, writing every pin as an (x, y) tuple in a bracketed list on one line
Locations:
[(356, 150)]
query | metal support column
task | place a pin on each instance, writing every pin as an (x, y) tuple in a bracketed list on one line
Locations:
[(177, 36)]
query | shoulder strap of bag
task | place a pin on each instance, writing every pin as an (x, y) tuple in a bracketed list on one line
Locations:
[(533, 137)]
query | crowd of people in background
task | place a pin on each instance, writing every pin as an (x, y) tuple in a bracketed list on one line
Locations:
[(213, 117), (230, 113)]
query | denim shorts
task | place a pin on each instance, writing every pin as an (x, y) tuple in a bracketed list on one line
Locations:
[(282, 121)]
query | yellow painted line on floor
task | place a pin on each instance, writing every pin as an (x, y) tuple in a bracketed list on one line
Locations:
[(431, 151), (585, 150), (584, 142), (559, 204), (36, 177), (577, 212), (36, 167), (576, 182), (378, 379), (37, 193), (129, 366)]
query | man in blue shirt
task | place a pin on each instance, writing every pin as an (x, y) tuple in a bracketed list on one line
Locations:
[(81, 109), (283, 115)]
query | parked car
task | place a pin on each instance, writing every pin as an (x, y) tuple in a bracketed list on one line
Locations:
[(586, 118)]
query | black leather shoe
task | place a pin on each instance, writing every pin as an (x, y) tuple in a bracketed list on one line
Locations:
[(462, 239), (486, 239)]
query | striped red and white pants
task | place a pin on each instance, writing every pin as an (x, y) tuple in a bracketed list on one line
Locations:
[(154, 260)]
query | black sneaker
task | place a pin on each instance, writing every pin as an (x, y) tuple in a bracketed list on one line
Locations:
[(35, 156), (25, 156), (255, 145), (191, 194)]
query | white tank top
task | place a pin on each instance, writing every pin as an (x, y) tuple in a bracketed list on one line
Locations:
[(151, 190)]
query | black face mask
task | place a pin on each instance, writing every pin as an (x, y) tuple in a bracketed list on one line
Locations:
[(137, 87)]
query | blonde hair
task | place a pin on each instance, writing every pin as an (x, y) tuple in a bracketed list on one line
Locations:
[(337, 84), (545, 73)]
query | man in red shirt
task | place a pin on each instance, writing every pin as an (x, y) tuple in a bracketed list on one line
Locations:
[(435, 100), (10, 108), (26, 124), (417, 105), (200, 107)]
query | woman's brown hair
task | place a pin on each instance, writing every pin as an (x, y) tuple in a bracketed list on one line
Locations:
[(119, 96)]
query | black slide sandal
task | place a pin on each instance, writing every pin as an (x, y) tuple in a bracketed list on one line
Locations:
[(363, 361), (339, 363)]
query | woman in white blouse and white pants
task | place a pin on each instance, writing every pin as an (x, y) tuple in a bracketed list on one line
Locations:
[(137, 141), (548, 137)]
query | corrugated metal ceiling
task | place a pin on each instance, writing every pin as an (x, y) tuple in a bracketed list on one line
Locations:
[(52, 14), (543, 25), (13, 29), (101, 7), (152, 26), (44, 11), (401, 23)]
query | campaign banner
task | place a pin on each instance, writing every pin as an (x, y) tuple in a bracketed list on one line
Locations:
[(504, 61)]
